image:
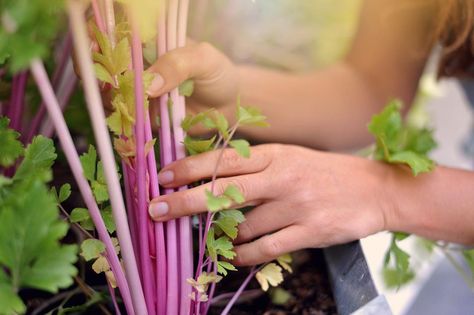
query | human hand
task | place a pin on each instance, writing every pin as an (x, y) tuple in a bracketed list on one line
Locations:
[(215, 77), (303, 198)]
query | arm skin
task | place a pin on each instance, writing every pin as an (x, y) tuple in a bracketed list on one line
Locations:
[(341, 199), (325, 109)]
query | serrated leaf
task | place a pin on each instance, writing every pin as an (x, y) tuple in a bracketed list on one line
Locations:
[(78, 215), (10, 302), (121, 57), (217, 203), (39, 157), (251, 116), (224, 266), (101, 265), (30, 230), (241, 146), (234, 193), (194, 146), (186, 88), (237, 215), (92, 248), (222, 246), (103, 74), (285, 261), (192, 120), (64, 192), (88, 161), (108, 219), (417, 163), (11, 147), (270, 275), (386, 127), (100, 191), (228, 226)]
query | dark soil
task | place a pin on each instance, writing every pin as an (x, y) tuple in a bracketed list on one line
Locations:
[(308, 286)]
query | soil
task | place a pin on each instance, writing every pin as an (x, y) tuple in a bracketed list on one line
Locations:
[(308, 286)]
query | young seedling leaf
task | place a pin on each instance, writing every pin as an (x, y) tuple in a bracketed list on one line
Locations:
[(79, 215), (224, 266), (417, 162), (241, 146), (194, 146), (186, 88), (108, 219), (92, 248), (11, 147), (285, 262), (103, 74), (121, 57), (228, 225), (88, 161), (270, 275), (234, 193), (217, 203), (64, 192), (101, 265), (100, 191), (39, 157), (251, 116), (237, 215), (10, 302)]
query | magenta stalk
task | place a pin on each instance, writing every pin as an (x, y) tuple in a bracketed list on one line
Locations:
[(46, 90), (140, 167), (96, 111)]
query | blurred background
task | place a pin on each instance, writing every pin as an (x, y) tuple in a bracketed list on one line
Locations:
[(305, 35)]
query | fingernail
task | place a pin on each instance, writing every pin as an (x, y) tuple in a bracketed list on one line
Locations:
[(158, 209), (156, 84), (166, 177)]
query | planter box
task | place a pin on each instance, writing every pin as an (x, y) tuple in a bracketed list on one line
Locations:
[(353, 288)]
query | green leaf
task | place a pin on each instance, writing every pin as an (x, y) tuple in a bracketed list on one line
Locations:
[(228, 226), (192, 120), (121, 57), (79, 215), (10, 302), (194, 146), (108, 218), (39, 157), (386, 127), (397, 271), (100, 191), (92, 248), (103, 74), (280, 296), (220, 247), (222, 125), (469, 258), (234, 193), (237, 215), (186, 88), (241, 146), (251, 116), (64, 193), (420, 141), (418, 163), (30, 230), (11, 147), (88, 161), (217, 203), (224, 266)]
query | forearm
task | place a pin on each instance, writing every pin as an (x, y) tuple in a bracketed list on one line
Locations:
[(438, 205), (323, 109)]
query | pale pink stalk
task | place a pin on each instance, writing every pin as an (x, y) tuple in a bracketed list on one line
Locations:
[(140, 167), (241, 289), (104, 146), (98, 17), (110, 21), (131, 213), (54, 111)]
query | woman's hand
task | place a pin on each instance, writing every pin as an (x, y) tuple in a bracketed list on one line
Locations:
[(303, 198), (216, 82)]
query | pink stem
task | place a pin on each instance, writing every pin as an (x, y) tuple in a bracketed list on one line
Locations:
[(98, 17), (17, 100), (104, 146), (140, 165), (131, 214), (114, 299), (241, 289), (46, 90)]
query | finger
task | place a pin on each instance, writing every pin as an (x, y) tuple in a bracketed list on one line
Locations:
[(270, 246), (194, 200), (202, 166), (264, 219), (198, 61)]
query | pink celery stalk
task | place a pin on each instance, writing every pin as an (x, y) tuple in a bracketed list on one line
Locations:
[(140, 166), (110, 20), (104, 146), (17, 100), (185, 231), (46, 90), (241, 289), (98, 17)]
